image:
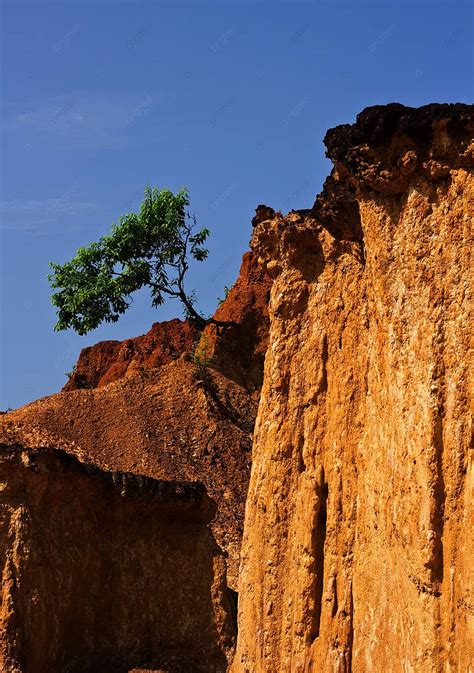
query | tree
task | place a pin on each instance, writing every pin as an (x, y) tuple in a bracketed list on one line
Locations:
[(150, 248)]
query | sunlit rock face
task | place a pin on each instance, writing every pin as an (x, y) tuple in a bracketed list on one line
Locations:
[(122, 497), (357, 553)]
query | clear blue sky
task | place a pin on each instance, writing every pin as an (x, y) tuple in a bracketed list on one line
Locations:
[(230, 99)]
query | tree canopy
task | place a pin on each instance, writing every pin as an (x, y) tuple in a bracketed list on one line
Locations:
[(150, 248)]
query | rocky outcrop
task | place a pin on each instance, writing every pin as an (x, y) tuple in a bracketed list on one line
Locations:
[(238, 352), (357, 551), (109, 361), (105, 571), (108, 558), (172, 423)]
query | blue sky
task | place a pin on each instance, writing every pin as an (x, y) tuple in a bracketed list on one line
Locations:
[(232, 100)]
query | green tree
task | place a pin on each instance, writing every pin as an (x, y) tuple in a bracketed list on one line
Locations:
[(151, 248)]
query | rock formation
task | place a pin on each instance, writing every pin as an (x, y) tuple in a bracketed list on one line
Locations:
[(109, 361), (104, 567), (357, 551), (105, 571)]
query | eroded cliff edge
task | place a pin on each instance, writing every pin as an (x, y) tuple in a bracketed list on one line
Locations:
[(357, 551)]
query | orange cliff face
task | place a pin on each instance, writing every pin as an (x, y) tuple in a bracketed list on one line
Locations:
[(357, 554), (105, 570)]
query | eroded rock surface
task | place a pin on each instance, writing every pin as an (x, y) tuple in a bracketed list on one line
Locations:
[(109, 361), (357, 552), (105, 571)]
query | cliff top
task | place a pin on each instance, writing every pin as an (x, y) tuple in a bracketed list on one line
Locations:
[(387, 149), (26, 447)]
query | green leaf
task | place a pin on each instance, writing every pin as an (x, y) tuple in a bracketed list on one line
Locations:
[(150, 248)]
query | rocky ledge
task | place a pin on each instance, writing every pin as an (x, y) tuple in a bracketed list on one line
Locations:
[(388, 149)]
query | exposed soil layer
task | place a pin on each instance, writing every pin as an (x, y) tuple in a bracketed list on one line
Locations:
[(238, 351), (109, 361), (104, 571)]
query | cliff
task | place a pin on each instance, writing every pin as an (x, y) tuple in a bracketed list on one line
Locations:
[(114, 491), (357, 551), (105, 571), (351, 351)]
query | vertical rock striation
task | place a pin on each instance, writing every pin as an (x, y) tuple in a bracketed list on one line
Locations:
[(357, 552)]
